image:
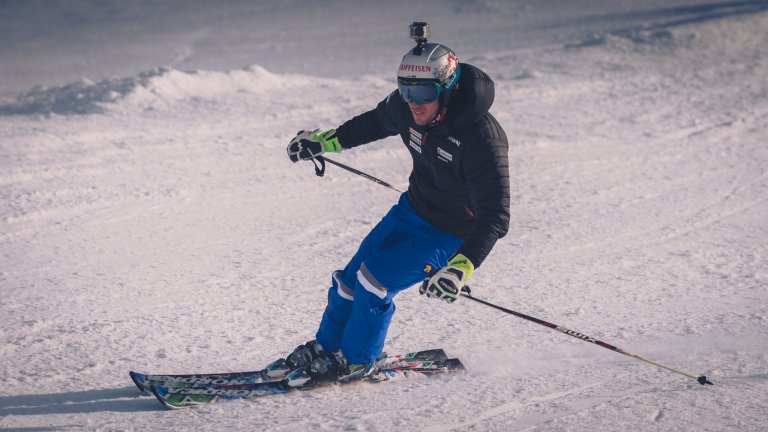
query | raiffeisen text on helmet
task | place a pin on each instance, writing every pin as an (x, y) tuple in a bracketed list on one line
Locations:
[(415, 68)]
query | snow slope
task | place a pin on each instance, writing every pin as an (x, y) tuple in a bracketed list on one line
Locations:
[(151, 221)]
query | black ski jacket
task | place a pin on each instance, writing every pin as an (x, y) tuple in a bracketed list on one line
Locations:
[(460, 177)]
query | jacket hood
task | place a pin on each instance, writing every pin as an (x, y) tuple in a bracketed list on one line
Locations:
[(472, 99)]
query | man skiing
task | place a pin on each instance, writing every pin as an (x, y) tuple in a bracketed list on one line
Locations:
[(455, 209)]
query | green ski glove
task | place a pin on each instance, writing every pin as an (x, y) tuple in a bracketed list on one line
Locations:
[(447, 283), (308, 145)]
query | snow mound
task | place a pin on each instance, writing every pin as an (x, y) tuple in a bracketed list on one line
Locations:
[(667, 27), (636, 39), (147, 90)]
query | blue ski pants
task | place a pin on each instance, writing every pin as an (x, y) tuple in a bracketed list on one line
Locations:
[(400, 251)]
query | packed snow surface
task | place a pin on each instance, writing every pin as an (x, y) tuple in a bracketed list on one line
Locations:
[(150, 219)]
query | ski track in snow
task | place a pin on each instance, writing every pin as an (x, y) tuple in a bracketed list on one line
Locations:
[(152, 222)]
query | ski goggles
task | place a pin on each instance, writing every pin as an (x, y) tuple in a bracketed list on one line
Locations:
[(419, 92)]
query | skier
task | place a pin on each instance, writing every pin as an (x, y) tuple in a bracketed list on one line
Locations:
[(455, 209)]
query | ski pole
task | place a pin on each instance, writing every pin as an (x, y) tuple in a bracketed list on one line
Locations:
[(320, 171), (466, 293)]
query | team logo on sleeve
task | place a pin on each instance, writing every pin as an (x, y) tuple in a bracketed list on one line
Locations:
[(444, 155), (417, 139)]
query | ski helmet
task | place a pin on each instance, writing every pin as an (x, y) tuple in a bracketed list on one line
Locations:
[(428, 72)]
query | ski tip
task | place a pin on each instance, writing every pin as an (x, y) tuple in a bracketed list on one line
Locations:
[(455, 364), (138, 379), (158, 390), (704, 381), (160, 393)]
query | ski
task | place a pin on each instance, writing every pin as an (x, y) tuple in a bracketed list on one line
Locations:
[(275, 371), (299, 380)]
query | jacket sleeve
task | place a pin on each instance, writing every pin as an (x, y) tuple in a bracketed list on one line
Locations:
[(373, 125), (486, 168)]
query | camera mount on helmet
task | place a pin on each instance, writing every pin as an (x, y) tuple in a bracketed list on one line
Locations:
[(419, 33)]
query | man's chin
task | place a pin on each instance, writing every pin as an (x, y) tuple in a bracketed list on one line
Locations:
[(421, 120)]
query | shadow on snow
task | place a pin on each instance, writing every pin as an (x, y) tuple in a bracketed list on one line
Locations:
[(124, 399)]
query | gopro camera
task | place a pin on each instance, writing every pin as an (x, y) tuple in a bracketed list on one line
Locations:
[(419, 33)]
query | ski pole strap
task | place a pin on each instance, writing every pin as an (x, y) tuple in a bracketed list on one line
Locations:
[(319, 170)]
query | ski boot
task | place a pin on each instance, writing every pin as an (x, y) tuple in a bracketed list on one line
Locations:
[(329, 367), (311, 361), (304, 354)]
